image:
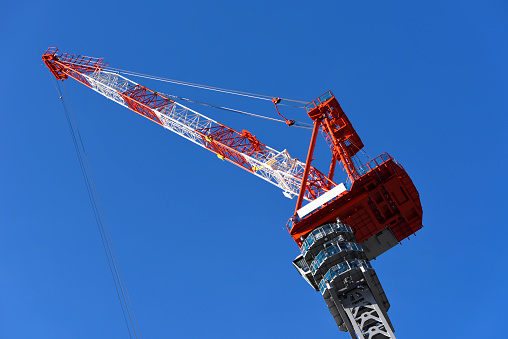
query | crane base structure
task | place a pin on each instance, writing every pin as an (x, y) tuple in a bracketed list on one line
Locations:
[(333, 263)]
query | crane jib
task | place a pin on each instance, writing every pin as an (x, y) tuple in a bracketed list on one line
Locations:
[(242, 149)]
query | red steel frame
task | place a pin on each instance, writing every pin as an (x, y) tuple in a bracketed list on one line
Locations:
[(380, 194), (344, 142)]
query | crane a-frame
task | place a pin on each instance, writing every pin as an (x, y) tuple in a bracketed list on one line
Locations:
[(339, 231)]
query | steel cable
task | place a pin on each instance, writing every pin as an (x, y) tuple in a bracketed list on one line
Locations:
[(212, 88), (185, 83), (297, 124), (113, 263)]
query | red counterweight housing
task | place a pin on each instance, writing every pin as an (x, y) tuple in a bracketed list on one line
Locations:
[(380, 203)]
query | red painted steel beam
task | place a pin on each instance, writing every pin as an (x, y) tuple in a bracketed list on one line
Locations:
[(307, 164), (338, 131)]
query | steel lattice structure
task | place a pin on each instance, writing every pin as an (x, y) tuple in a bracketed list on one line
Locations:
[(242, 149)]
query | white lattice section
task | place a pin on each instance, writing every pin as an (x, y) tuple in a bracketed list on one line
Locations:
[(278, 168), (184, 121), (109, 84)]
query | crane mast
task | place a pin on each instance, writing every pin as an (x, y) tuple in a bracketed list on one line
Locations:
[(339, 231)]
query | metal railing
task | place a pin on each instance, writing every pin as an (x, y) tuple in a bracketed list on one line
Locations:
[(321, 232), (341, 268), (368, 167), (323, 98), (331, 251)]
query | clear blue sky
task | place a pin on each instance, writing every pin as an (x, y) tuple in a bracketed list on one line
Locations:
[(202, 243)]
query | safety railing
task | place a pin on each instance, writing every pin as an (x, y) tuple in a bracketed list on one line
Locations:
[(368, 167), (323, 98), (321, 232), (341, 268), (331, 251)]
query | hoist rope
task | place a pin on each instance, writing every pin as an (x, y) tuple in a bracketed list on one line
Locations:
[(212, 88), (297, 124), (363, 151), (359, 163), (107, 243)]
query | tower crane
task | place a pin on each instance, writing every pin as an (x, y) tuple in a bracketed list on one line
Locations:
[(342, 227)]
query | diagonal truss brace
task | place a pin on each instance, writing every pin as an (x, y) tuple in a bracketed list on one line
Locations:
[(368, 321)]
